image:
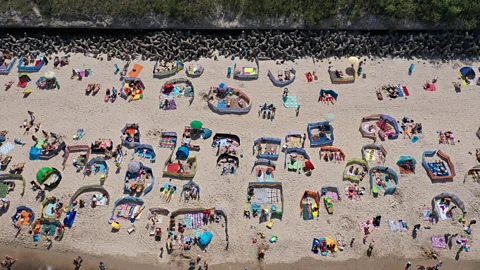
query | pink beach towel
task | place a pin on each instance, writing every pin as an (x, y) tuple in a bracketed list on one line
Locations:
[(438, 241)]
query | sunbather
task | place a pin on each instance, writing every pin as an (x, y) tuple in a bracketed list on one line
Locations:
[(338, 73)]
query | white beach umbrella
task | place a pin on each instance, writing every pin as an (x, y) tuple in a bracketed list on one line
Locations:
[(353, 60), (133, 166), (330, 117)]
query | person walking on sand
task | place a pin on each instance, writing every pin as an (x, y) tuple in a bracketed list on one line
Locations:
[(102, 266), (297, 111), (408, 265), (436, 266), (285, 92), (77, 262)]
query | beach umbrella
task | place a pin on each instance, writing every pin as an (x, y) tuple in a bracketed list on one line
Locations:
[(50, 75), (353, 60), (195, 124), (330, 117), (133, 166), (222, 86)]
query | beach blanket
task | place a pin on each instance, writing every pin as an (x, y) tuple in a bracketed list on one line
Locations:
[(222, 104), (307, 212), (405, 90), (290, 102), (196, 220), (272, 195), (367, 224), (168, 142), (7, 147), (261, 196), (438, 241), (396, 225), (135, 71), (171, 105)]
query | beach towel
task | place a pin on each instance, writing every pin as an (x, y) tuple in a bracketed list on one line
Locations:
[(290, 102), (405, 90), (400, 92), (6, 148), (22, 82), (3, 190), (272, 195), (307, 212), (396, 225), (135, 71), (431, 88), (188, 92), (269, 177), (438, 241), (188, 221)]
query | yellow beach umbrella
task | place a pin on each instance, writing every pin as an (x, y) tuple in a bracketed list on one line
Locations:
[(353, 60)]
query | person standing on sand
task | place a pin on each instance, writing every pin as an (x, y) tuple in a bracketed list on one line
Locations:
[(371, 246), (297, 111), (102, 266), (408, 265)]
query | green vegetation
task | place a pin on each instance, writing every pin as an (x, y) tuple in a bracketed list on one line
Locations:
[(312, 12)]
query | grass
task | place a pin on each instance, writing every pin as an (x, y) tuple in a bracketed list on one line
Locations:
[(311, 12)]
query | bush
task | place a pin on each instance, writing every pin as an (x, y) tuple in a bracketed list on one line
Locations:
[(312, 12)]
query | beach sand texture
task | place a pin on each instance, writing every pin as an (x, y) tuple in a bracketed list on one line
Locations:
[(64, 111)]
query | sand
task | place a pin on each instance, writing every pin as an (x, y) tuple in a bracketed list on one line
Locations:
[(64, 111)]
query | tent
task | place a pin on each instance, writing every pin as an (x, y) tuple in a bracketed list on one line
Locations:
[(23, 212), (146, 151), (246, 73), (182, 153), (406, 164), (189, 186), (124, 200), (467, 72), (205, 239), (5, 69), (378, 119), (48, 82), (132, 173), (228, 101), (367, 152), (435, 170), (89, 188), (219, 136), (390, 186), (98, 161), (271, 147), (317, 140), (37, 153), (351, 177), (130, 135), (282, 83), (39, 63), (330, 92), (50, 177), (6, 177), (160, 74), (454, 198)]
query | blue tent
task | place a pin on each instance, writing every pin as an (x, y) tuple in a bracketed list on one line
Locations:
[(205, 239), (467, 72), (69, 218), (405, 159), (182, 152), (331, 92)]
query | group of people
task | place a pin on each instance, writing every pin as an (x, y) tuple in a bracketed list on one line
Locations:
[(409, 127), (163, 66), (267, 111), (326, 98), (446, 137), (334, 156), (391, 90), (286, 75)]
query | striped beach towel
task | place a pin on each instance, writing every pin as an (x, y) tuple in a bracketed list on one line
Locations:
[(168, 142)]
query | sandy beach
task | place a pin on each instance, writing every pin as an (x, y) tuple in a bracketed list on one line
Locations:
[(68, 109)]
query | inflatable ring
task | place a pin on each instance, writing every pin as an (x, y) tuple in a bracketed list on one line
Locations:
[(273, 239)]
